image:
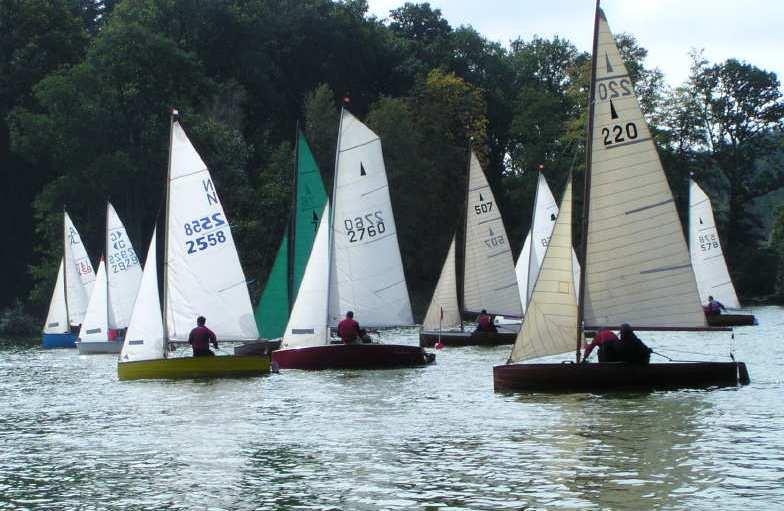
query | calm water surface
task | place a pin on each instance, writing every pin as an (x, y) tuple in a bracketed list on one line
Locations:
[(73, 437)]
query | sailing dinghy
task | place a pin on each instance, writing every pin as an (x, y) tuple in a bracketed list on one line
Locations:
[(202, 277), (488, 275), (645, 280), (707, 257), (75, 280), (280, 291), (114, 292), (354, 265)]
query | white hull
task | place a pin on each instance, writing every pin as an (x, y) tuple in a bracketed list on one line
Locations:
[(97, 347)]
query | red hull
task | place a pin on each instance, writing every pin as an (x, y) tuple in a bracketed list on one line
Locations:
[(429, 338), (351, 356), (617, 376)]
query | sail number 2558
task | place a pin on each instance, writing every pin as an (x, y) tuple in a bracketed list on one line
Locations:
[(617, 133), (211, 230), (367, 226)]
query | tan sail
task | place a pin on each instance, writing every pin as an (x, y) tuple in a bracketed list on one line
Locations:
[(637, 264), (444, 311), (490, 279), (550, 323)]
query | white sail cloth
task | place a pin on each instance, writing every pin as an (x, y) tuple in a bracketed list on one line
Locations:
[(489, 277), (57, 318), (707, 257), (145, 338), (307, 325), (96, 320), (444, 311), (637, 267), (550, 323), (203, 276), (124, 272), (366, 271), (79, 275)]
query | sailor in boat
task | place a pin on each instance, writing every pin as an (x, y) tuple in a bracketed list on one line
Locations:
[(349, 331), (605, 335), (484, 323), (200, 339), (714, 307)]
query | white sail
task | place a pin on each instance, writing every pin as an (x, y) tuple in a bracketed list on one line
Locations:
[(307, 325), (366, 272), (550, 323), (638, 269), (530, 261), (124, 272), (490, 281), (96, 321), (707, 257), (444, 311), (203, 273), (57, 318), (79, 274), (145, 339)]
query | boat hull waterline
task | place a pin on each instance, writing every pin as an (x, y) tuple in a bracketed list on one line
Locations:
[(569, 377), (428, 338), (99, 347), (193, 367), (351, 356), (732, 320), (50, 341)]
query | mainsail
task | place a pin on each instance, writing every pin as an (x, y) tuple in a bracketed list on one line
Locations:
[(57, 318), (96, 321), (707, 257), (366, 271), (637, 266), (550, 323), (489, 278), (124, 272), (307, 325), (79, 275), (145, 338), (203, 276), (444, 310)]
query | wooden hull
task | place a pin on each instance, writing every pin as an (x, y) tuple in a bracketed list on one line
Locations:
[(351, 356), (617, 376), (50, 341), (732, 320), (257, 348), (99, 347), (429, 338), (193, 367)]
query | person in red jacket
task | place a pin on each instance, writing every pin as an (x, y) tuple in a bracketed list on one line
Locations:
[(200, 339), (348, 329), (484, 323), (602, 336)]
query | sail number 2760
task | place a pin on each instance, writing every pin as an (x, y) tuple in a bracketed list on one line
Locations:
[(210, 228), (367, 226)]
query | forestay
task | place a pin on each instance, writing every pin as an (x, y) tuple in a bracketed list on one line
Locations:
[(96, 321), (57, 318), (79, 274), (145, 339), (490, 281), (307, 325), (550, 323), (203, 274), (710, 268), (366, 272), (124, 272), (638, 269), (444, 311)]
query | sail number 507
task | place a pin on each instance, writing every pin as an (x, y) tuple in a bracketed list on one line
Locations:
[(367, 226), (619, 133)]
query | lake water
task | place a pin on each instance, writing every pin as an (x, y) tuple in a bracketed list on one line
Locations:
[(73, 437)]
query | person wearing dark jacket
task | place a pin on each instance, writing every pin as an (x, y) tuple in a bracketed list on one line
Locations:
[(200, 339), (631, 349)]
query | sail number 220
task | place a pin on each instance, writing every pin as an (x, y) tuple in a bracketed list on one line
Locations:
[(619, 133)]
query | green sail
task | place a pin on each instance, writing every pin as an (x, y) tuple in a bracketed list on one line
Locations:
[(272, 313), (310, 201), (284, 279)]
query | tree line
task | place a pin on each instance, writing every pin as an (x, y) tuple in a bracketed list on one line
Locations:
[(86, 87)]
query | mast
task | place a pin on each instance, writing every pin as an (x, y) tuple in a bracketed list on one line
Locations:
[(292, 224), (330, 232), (106, 263), (587, 184), (65, 273), (172, 119), (460, 275), (528, 290)]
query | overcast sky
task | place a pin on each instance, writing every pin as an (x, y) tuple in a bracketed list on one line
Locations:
[(750, 30)]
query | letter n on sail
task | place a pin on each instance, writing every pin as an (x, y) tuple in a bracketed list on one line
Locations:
[(209, 191)]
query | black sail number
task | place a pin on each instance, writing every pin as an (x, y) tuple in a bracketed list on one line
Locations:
[(614, 89), (617, 133), (365, 226)]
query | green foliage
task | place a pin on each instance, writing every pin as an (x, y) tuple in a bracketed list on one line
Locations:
[(777, 247), (16, 322)]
